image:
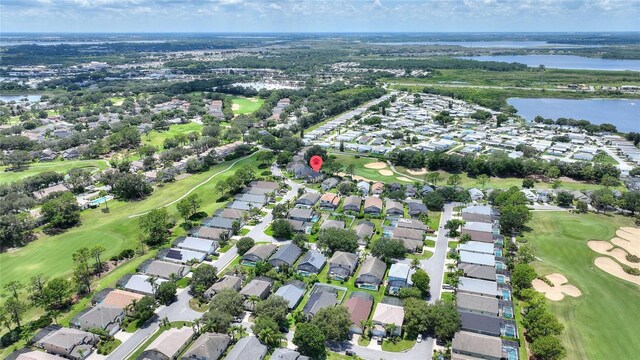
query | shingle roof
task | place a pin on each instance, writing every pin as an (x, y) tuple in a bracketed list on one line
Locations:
[(336, 224), (388, 314), (373, 267), (478, 322), (170, 341), (291, 293), (486, 345), (120, 298), (287, 253), (373, 201), (344, 259), (478, 286), (208, 346), (359, 308), (255, 287), (164, 269), (314, 258), (197, 244), (261, 251), (478, 303), (247, 348), (477, 258), (319, 300)]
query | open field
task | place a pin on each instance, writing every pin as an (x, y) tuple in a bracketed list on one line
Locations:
[(58, 166), (602, 323), (114, 230), (528, 78), (243, 105), (156, 138)]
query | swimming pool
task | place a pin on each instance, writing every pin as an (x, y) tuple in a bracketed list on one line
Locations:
[(100, 200), (499, 265), (499, 253), (507, 312), (506, 294), (500, 279), (512, 353)]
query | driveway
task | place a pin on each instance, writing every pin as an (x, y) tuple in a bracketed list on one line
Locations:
[(420, 351), (435, 266)]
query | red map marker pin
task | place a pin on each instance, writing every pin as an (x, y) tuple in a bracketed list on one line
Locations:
[(315, 162)]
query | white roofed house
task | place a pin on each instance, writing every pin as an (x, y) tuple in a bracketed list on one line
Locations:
[(384, 315)]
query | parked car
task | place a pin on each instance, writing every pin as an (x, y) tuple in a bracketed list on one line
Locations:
[(419, 339), (379, 341), (349, 353)]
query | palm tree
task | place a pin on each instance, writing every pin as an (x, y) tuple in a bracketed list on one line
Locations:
[(165, 322), (451, 267), (238, 330), (254, 299), (152, 280), (196, 326), (391, 329), (173, 277), (415, 264), (270, 338)]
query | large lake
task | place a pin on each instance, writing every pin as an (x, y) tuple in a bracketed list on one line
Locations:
[(506, 44), (18, 98), (563, 62), (623, 113)]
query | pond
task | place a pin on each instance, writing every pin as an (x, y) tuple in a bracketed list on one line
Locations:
[(563, 62), (623, 113), (18, 98)]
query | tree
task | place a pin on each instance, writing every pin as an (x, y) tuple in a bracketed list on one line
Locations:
[(338, 240), (609, 181), (96, 251), (388, 249), (61, 212), (548, 348), (631, 201), (447, 320), (315, 150), (202, 278), (465, 238), (282, 229), (350, 170), (266, 157), (82, 271), (513, 218), (300, 240), (18, 160), (216, 321), (454, 180), (453, 225), (602, 199), (434, 201), (131, 187), (14, 287), (522, 276), (556, 184), (166, 292), (275, 307), (582, 207), (56, 294), (334, 322), (79, 179), (155, 226), (564, 199), (433, 178), (526, 254), (279, 211), (410, 292), (416, 316), (143, 309), (229, 301), (483, 179), (540, 322), (244, 244), (15, 308), (267, 331), (528, 183), (310, 340), (421, 280), (188, 206)]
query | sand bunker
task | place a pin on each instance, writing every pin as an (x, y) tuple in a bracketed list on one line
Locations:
[(385, 172), (610, 266), (605, 248), (402, 178), (235, 107), (627, 242), (417, 171), (376, 165), (559, 289), (355, 177)]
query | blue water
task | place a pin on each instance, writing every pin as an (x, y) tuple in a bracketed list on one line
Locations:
[(506, 44), (500, 279), (506, 294), (623, 113), (99, 200), (18, 98), (563, 62)]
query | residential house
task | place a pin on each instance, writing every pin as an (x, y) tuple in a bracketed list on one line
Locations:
[(169, 344), (478, 271), (292, 292), (43, 193), (184, 256), (416, 208), (257, 200), (329, 184), (260, 287), (412, 239), (478, 247), (342, 265), (320, 299), (479, 213), (234, 214), (393, 208), (247, 348), (425, 190), (413, 224), (377, 188), (478, 287), (69, 343), (308, 199), (163, 269), (286, 255), (410, 190), (363, 187), (311, 263), (399, 277), (530, 195), (359, 306), (384, 315), (364, 229), (329, 201), (287, 354), (105, 317), (140, 284), (242, 205), (270, 185), (304, 215), (352, 203), (373, 205), (371, 274), (115, 297), (466, 345), (394, 187), (260, 252), (210, 233), (219, 222), (485, 232), (332, 224), (196, 244), (468, 257), (227, 282), (476, 194), (208, 346), (484, 305), (480, 324), (28, 354)]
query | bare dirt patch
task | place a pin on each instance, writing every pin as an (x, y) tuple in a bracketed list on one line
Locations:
[(402, 178), (559, 289), (385, 172), (376, 165), (610, 266), (417, 171)]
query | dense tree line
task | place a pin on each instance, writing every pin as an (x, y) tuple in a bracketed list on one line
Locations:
[(582, 124), (442, 63)]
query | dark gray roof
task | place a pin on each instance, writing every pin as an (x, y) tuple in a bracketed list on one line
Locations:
[(288, 254), (259, 252), (285, 354), (482, 345), (372, 269), (208, 346), (344, 259), (313, 259), (308, 198), (247, 348), (319, 300), (478, 271), (218, 222), (489, 325)]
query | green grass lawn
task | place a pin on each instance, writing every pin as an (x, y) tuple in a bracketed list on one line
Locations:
[(156, 138), (603, 322), (58, 166), (243, 105), (434, 220), (426, 254), (115, 231), (398, 345)]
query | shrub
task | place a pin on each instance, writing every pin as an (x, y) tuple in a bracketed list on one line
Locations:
[(630, 270), (632, 258)]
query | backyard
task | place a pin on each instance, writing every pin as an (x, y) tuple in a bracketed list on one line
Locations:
[(602, 323)]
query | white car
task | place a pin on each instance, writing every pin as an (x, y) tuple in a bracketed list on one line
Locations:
[(419, 339)]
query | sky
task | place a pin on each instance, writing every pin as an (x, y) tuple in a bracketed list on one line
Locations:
[(319, 15)]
